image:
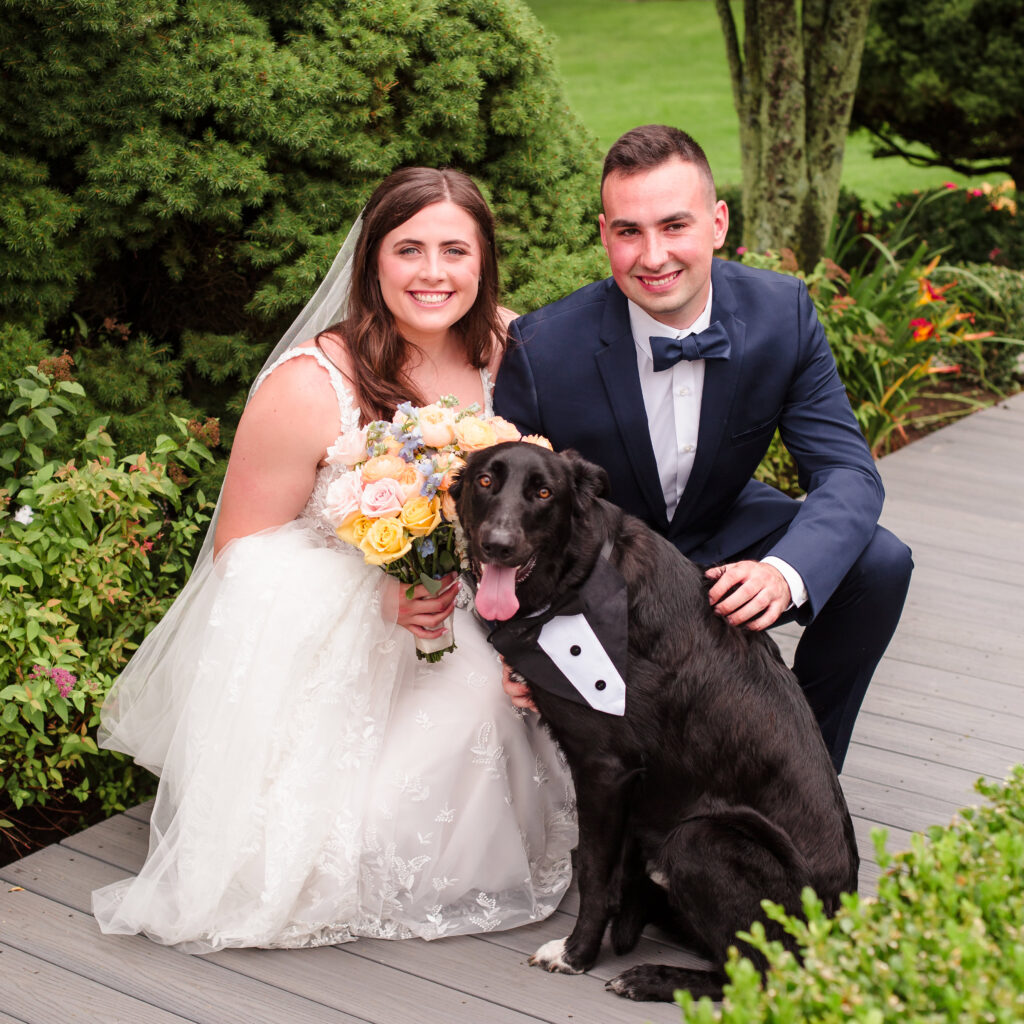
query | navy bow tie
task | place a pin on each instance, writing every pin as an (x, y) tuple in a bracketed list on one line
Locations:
[(712, 343)]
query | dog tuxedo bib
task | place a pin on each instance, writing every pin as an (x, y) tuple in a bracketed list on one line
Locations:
[(577, 646)]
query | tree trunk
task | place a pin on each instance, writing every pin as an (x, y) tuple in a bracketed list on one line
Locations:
[(793, 79)]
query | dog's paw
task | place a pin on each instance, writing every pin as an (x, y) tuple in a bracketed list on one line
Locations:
[(551, 956), (641, 983), (659, 982)]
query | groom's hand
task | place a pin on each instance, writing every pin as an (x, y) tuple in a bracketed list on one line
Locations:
[(516, 690), (751, 594)]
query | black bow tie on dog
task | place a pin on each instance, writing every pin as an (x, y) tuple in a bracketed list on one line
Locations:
[(603, 602), (712, 343)]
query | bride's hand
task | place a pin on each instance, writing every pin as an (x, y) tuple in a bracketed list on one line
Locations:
[(422, 614)]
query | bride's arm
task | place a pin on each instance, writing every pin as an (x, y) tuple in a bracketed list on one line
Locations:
[(283, 434)]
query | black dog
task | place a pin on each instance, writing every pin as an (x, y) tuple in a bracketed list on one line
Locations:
[(715, 781)]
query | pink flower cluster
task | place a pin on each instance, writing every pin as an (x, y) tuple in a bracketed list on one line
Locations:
[(64, 680)]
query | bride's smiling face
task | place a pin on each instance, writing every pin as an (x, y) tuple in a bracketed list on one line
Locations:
[(429, 270)]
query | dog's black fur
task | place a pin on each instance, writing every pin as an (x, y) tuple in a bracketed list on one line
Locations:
[(716, 780)]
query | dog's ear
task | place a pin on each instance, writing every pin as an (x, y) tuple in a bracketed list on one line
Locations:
[(590, 481), (455, 487)]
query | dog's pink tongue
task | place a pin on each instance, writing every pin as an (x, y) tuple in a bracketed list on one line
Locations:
[(496, 592)]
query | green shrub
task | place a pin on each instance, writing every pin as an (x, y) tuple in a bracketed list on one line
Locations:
[(93, 548), (190, 169), (966, 225), (995, 295), (943, 940)]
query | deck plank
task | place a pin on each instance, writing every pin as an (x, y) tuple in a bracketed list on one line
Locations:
[(189, 987), (40, 992)]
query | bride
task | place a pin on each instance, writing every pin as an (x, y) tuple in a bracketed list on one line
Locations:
[(318, 782)]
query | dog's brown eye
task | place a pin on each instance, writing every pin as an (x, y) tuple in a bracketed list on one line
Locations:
[(544, 493), (484, 480)]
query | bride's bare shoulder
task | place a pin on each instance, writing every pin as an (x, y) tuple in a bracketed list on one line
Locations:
[(297, 386)]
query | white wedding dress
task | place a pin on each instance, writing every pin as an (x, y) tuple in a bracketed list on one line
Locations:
[(318, 782)]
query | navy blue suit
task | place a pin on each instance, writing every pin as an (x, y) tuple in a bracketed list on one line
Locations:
[(571, 374)]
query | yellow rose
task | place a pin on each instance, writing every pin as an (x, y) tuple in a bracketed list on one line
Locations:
[(381, 466), (353, 531), (384, 542), (537, 439), (420, 515), (473, 433), (503, 430)]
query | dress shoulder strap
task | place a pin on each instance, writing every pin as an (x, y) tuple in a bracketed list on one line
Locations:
[(488, 385), (348, 412)]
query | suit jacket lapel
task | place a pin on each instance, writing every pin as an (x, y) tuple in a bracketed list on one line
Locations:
[(720, 379), (616, 362)]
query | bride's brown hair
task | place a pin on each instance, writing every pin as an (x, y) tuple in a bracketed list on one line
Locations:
[(378, 353)]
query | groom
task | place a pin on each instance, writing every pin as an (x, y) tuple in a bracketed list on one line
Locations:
[(674, 375)]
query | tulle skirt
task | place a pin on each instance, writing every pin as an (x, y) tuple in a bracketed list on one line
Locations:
[(318, 782)]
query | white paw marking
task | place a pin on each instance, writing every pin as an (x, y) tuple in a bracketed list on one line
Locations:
[(551, 956)]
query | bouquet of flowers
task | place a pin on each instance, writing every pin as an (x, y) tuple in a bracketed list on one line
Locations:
[(393, 502)]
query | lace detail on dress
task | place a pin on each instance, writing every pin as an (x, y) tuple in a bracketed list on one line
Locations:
[(488, 383)]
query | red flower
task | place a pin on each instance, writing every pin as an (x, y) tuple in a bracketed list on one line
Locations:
[(923, 329)]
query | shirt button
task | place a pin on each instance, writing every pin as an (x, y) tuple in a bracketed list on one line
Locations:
[(600, 684), (574, 650), (687, 448), (683, 392)]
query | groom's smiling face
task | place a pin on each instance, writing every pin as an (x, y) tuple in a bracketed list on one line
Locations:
[(660, 228)]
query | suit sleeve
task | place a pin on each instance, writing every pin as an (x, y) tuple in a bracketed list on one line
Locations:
[(844, 491), (515, 391)]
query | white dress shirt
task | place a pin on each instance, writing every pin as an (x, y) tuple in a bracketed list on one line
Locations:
[(672, 401)]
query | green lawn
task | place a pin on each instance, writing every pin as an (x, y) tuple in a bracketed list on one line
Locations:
[(631, 62)]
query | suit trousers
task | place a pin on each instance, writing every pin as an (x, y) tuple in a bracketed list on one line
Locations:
[(843, 644)]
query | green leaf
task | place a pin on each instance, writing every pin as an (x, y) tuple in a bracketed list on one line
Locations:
[(47, 418)]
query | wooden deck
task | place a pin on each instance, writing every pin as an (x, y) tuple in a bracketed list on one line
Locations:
[(946, 706)]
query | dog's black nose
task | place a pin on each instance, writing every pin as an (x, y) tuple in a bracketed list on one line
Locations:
[(497, 548)]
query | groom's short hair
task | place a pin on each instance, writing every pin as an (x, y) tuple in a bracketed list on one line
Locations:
[(651, 145)]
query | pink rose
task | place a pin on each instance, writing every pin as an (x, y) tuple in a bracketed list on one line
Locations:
[(381, 498), (349, 449), (341, 504)]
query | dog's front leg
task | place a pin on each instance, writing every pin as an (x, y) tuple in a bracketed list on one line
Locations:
[(602, 809)]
